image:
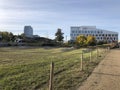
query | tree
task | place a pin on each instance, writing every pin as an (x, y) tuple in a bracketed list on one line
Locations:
[(21, 36), (81, 40), (59, 35), (91, 40), (11, 36), (7, 36)]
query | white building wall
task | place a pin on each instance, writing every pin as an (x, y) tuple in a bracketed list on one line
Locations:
[(99, 34)]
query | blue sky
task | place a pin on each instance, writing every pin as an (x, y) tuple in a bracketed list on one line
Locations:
[(45, 16)]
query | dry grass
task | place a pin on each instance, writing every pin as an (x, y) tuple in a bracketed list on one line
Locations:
[(28, 68)]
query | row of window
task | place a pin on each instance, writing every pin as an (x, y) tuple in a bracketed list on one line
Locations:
[(108, 38), (96, 35), (102, 38), (84, 31)]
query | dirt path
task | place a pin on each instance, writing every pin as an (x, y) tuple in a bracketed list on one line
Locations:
[(106, 75)]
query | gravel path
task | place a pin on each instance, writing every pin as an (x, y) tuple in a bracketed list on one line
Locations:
[(106, 75)]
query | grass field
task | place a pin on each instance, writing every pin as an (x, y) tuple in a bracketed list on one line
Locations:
[(28, 68)]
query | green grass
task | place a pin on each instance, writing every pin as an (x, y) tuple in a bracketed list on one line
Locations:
[(28, 68)]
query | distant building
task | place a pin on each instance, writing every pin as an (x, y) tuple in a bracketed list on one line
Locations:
[(18, 40), (99, 34), (36, 36), (28, 31)]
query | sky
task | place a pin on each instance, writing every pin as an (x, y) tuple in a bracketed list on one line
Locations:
[(46, 16)]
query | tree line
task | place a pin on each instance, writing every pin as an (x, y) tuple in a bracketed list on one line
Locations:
[(81, 40), (9, 36)]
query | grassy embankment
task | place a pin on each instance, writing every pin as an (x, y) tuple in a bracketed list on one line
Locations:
[(28, 68)]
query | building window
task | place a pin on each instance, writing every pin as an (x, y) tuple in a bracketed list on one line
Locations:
[(73, 38), (79, 31), (82, 31), (72, 31), (109, 35)]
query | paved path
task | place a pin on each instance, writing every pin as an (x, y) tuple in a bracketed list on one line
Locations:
[(106, 75)]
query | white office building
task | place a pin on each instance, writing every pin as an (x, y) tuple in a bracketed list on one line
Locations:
[(99, 34), (28, 31)]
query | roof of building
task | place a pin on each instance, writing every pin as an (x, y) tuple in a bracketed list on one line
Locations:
[(89, 28)]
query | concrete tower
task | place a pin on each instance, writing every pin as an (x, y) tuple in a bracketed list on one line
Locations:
[(28, 31)]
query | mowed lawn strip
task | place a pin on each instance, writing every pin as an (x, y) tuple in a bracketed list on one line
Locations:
[(28, 68)]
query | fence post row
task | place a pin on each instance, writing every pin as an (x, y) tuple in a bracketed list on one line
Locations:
[(81, 66), (51, 76)]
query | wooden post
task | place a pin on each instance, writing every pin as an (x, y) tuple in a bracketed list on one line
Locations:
[(81, 65), (102, 51), (90, 55), (51, 76), (106, 50), (97, 54)]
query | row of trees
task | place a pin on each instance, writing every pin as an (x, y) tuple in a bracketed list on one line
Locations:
[(81, 40), (7, 36)]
